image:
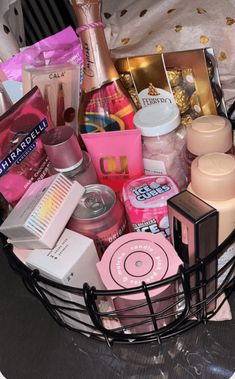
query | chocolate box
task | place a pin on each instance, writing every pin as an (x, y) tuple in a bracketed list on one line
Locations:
[(188, 78)]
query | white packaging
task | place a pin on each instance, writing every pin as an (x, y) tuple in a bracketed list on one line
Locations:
[(72, 262), (42, 213)]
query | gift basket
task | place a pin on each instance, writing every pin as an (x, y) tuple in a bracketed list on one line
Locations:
[(117, 181)]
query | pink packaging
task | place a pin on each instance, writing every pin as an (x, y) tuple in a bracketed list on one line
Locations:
[(145, 201), (131, 260), (22, 157), (62, 47), (117, 156)]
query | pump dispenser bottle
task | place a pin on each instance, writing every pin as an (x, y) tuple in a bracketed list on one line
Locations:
[(64, 152)]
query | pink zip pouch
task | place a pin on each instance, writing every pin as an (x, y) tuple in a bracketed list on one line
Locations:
[(117, 156), (60, 48), (22, 156)]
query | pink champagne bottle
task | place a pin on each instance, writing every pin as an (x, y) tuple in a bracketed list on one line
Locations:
[(104, 105)]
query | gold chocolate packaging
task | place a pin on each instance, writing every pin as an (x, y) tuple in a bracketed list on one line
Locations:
[(188, 78)]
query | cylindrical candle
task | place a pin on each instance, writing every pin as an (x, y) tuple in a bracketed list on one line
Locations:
[(128, 262)]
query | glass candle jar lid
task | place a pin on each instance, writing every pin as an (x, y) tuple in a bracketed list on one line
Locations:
[(208, 134), (213, 176)]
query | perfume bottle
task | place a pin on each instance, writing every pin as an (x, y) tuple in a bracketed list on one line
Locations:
[(104, 105), (64, 153)]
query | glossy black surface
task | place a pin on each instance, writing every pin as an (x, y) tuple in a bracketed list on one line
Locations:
[(33, 346)]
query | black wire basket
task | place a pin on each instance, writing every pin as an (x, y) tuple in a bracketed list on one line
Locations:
[(196, 298)]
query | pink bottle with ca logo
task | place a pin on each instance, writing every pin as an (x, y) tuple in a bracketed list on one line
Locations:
[(145, 201)]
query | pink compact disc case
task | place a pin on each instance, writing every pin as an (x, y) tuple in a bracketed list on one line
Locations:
[(129, 261)]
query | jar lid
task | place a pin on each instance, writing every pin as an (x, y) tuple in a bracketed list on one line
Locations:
[(62, 148), (157, 119), (213, 176), (208, 134)]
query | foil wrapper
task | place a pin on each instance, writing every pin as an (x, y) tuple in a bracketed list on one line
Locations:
[(195, 103), (181, 99), (183, 86), (186, 120), (188, 77), (174, 77)]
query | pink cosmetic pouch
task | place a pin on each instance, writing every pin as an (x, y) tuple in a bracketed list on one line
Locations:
[(62, 47)]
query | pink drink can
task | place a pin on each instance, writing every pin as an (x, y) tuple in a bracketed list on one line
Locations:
[(145, 201), (99, 215)]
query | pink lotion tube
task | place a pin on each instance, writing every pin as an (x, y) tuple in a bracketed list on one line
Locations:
[(117, 156)]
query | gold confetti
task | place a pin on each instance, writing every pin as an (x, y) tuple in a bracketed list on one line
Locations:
[(171, 11), (125, 41), (204, 40), (201, 11), (222, 56), (178, 28), (230, 21), (142, 13), (159, 48), (124, 11), (107, 15)]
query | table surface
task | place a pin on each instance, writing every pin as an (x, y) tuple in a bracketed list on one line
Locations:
[(34, 346)]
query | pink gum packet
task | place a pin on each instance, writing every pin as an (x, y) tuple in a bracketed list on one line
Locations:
[(145, 201)]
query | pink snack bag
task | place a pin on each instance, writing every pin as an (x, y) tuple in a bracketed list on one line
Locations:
[(145, 202), (22, 156)]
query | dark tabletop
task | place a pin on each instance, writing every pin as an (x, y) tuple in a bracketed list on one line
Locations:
[(33, 346)]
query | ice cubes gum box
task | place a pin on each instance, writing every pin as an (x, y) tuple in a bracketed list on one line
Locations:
[(145, 202)]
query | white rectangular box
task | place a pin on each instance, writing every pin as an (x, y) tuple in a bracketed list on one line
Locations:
[(71, 262), (42, 213)]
